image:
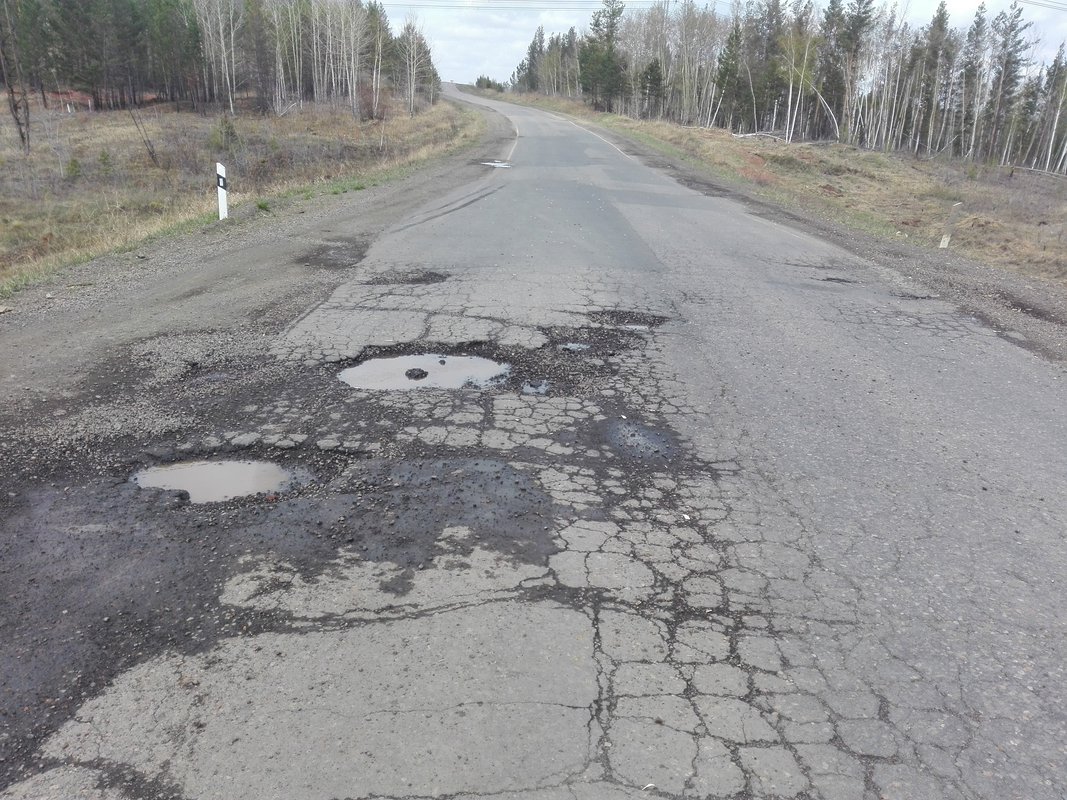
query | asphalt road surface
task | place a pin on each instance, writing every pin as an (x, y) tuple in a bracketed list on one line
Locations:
[(735, 511)]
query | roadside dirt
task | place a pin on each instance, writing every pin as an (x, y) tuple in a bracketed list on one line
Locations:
[(58, 331), (102, 363), (89, 188)]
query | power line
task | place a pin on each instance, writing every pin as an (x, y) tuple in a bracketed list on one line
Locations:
[(1055, 6)]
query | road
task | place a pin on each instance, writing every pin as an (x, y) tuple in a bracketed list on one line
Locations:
[(749, 514)]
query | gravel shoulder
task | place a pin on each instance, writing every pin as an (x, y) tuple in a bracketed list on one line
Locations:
[(255, 272)]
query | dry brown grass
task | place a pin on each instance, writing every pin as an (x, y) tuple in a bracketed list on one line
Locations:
[(90, 185), (1014, 220)]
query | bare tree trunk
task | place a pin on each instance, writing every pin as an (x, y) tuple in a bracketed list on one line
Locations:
[(1056, 121), (11, 73)]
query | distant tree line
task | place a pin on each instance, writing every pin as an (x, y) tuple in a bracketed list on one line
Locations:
[(485, 82), (849, 72), (278, 53)]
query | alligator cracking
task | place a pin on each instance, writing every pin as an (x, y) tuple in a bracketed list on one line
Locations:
[(525, 590)]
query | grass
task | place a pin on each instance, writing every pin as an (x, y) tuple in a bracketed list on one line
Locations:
[(90, 185), (1011, 219)]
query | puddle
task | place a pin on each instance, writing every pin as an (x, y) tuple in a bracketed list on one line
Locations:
[(497, 164), (213, 481), (427, 371), (536, 388)]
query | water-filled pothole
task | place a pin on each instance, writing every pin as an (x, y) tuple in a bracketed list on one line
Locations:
[(425, 371), (536, 388), (214, 481)]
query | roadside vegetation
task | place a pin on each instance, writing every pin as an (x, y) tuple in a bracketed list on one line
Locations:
[(846, 70), (117, 111), (90, 186), (842, 108)]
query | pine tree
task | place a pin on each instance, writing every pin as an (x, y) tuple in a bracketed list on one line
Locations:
[(1008, 65)]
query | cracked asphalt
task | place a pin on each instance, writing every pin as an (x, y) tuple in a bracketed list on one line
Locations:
[(755, 513)]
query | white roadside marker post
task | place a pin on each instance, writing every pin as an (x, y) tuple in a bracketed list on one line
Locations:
[(220, 181), (950, 228)]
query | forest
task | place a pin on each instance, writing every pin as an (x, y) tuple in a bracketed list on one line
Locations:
[(266, 56), (849, 72)]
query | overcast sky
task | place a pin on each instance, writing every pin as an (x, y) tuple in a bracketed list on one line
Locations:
[(469, 39)]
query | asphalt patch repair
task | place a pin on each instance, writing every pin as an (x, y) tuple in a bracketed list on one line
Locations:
[(78, 516)]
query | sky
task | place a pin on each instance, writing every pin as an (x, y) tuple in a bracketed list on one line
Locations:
[(489, 37)]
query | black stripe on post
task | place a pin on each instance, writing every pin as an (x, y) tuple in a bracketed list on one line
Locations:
[(221, 181)]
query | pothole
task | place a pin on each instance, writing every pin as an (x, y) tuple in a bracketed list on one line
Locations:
[(215, 481), (835, 280), (631, 320), (425, 371), (336, 255), (415, 277), (637, 441)]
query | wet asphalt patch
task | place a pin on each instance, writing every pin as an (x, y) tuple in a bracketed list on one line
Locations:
[(401, 508), (635, 441), (339, 254), (104, 575)]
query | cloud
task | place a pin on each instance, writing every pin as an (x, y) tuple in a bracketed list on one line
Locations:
[(473, 40), (468, 42)]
